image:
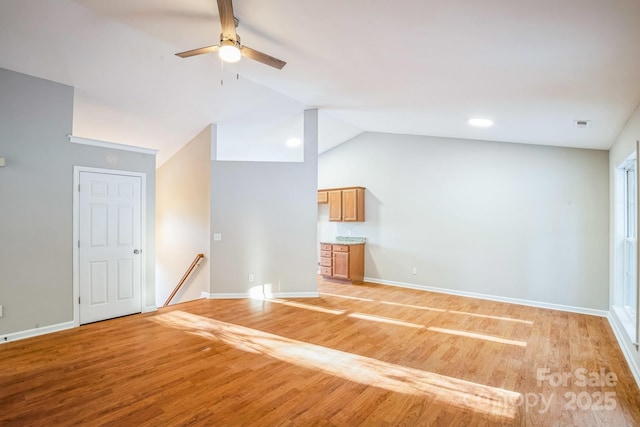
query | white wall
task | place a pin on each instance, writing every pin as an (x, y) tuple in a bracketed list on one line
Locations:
[(625, 144), (182, 215), (508, 220), (266, 215)]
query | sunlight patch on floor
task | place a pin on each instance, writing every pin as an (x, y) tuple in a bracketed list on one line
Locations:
[(495, 402), (418, 307), (382, 319), (305, 306), (347, 297), (397, 322), (477, 336), (486, 316), (440, 310)]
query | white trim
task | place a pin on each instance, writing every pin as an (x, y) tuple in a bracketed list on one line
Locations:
[(149, 308), (624, 321), (225, 296), (625, 345), (247, 296), (296, 295), (76, 234), (14, 336), (539, 304), (111, 145)]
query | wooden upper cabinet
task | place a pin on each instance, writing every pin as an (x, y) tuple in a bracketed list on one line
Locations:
[(345, 204), (335, 205), (353, 204), (323, 196)]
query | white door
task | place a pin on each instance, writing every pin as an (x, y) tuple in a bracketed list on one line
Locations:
[(109, 245)]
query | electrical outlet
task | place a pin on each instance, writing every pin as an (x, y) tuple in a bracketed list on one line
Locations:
[(414, 270), (217, 237), (250, 278)]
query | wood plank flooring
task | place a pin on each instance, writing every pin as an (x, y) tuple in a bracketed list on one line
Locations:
[(364, 354)]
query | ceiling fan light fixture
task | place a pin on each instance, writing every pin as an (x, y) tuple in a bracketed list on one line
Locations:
[(230, 48), (229, 51)]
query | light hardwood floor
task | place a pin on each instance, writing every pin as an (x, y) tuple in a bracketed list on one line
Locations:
[(359, 355)]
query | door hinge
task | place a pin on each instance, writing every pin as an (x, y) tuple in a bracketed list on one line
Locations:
[(78, 188), (78, 244), (78, 300)]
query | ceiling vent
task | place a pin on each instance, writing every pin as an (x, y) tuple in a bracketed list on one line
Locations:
[(582, 124)]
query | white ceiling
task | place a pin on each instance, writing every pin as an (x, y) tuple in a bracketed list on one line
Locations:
[(405, 66)]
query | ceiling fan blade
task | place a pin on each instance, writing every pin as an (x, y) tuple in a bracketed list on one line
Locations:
[(199, 51), (247, 52), (225, 10)]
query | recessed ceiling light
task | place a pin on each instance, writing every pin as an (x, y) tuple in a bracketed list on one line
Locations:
[(293, 142), (480, 122)]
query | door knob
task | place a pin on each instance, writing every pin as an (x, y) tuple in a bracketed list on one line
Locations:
[(136, 251)]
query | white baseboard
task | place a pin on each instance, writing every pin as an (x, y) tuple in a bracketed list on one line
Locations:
[(296, 295), (246, 295), (36, 331), (538, 304), (150, 308), (626, 345), (225, 296)]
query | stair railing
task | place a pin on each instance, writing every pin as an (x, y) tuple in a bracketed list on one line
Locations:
[(192, 267)]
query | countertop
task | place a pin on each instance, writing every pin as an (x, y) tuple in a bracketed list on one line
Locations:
[(344, 240)]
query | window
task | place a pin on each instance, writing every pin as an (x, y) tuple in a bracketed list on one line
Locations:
[(626, 245), (630, 240)]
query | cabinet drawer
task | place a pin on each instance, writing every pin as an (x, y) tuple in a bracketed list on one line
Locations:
[(325, 262), (325, 271), (341, 248), (324, 247), (325, 254)]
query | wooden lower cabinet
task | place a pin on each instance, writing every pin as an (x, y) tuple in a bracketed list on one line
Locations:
[(341, 265), (342, 262)]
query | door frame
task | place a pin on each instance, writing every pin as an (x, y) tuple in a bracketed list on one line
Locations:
[(76, 233)]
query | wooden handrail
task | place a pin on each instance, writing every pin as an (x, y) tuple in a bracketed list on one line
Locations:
[(184, 278)]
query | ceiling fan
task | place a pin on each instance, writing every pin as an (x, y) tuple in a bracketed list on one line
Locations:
[(230, 49)]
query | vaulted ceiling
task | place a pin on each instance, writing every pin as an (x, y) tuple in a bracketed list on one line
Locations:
[(405, 66)]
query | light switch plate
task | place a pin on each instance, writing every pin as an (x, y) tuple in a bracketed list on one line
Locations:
[(217, 236), (2, 162)]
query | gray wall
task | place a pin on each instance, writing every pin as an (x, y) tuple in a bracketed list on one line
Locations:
[(266, 213), (183, 219), (508, 220), (36, 283)]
